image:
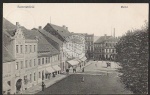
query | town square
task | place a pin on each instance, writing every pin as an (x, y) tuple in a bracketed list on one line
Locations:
[(71, 48)]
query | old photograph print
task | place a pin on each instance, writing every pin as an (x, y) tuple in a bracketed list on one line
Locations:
[(75, 48)]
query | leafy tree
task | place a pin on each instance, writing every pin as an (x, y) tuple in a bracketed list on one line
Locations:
[(132, 54)]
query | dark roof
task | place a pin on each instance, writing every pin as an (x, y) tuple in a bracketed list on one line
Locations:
[(63, 32), (106, 38), (43, 44), (7, 53), (50, 38), (8, 25)]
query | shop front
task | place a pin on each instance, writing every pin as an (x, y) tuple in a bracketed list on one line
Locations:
[(48, 72)]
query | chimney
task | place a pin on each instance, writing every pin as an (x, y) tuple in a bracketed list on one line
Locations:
[(114, 32), (17, 24), (40, 27), (66, 28), (105, 35)]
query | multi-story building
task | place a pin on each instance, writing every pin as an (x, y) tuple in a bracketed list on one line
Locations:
[(34, 58), (89, 38), (104, 48), (8, 77), (69, 46), (22, 48), (58, 44)]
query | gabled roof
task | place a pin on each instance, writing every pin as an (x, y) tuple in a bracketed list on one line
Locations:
[(43, 44), (103, 39), (52, 39), (63, 32)]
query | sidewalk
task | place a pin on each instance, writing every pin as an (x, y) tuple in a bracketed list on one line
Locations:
[(35, 89)]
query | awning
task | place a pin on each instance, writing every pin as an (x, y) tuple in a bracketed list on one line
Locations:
[(6, 86), (83, 59), (49, 70), (73, 62), (56, 68)]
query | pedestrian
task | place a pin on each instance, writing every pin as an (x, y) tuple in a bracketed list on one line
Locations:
[(43, 86), (83, 69), (80, 66), (95, 64), (82, 79)]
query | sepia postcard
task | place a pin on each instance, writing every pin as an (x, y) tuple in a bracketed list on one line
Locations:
[(75, 48)]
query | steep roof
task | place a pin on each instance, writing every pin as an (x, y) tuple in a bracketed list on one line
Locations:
[(7, 24), (7, 53), (52, 39), (102, 39), (43, 44), (63, 32)]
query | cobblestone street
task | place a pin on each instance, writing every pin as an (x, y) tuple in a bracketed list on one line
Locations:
[(95, 82)]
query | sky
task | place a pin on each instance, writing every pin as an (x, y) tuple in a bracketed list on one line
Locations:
[(91, 18)]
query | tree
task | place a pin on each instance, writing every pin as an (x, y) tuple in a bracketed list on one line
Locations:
[(132, 54)]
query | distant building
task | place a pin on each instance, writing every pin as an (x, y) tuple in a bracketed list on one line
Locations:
[(104, 48), (70, 46), (89, 38)]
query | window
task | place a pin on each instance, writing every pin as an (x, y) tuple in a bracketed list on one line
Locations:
[(17, 66), (39, 61), (46, 60), (17, 49), (21, 64), (34, 62), (21, 47), (39, 74), (26, 48), (30, 48), (30, 77), (34, 77), (42, 60), (26, 63), (25, 79), (58, 57), (34, 48), (30, 63)]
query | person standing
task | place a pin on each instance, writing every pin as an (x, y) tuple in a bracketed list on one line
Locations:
[(43, 86), (83, 69)]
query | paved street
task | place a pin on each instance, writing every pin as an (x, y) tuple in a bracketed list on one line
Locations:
[(97, 80)]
